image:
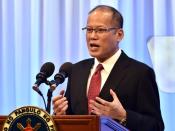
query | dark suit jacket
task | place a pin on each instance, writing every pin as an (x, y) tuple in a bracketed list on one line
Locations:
[(133, 82)]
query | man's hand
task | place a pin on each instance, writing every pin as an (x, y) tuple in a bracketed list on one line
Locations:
[(112, 109), (60, 104)]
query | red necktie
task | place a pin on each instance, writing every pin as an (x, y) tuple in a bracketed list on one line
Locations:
[(95, 84)]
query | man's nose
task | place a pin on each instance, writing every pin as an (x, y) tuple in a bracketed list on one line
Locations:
[(93, 35)]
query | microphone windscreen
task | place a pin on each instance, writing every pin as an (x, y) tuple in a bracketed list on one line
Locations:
[(48, 69), (66, 68)]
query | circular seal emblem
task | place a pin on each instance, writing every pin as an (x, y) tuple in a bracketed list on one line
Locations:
[(29, 118)]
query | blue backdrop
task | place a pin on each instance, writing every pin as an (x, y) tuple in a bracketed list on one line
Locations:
[(33, 32)]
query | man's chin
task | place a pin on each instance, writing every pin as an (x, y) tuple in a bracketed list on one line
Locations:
[(95, 55)]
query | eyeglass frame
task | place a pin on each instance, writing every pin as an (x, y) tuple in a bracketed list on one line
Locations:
[(97, 30)]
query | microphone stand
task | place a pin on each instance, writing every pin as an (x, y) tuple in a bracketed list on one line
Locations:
[(49, 97)]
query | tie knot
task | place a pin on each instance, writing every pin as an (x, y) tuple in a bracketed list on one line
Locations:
[(99, 68)]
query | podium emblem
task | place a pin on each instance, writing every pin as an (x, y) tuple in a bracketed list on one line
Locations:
[(29, 118)]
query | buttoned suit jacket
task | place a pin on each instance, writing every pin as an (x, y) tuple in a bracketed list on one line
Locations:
[(134, 84)]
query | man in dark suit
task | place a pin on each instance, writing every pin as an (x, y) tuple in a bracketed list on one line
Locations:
[(128, 90)]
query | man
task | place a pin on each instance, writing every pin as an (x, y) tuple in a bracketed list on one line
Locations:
[(128, 91)]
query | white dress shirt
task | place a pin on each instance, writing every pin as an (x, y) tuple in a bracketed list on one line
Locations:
[(107, 65)]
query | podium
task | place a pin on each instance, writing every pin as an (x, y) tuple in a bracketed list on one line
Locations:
[(81, 123)]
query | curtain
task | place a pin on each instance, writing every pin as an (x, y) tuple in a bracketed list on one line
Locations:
[(33, 32)]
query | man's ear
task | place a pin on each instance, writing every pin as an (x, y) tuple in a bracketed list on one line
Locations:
[(119, 34)]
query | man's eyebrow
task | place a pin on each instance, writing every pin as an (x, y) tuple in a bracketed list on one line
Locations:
[(96, 26)]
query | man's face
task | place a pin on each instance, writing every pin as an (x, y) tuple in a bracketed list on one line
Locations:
[(102, 45)]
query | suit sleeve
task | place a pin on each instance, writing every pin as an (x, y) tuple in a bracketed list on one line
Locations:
[(148, 114)]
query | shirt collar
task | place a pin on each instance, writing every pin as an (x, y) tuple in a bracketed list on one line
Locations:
[(109, 63)]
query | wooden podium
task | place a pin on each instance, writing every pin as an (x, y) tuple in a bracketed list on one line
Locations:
[(81, 123)]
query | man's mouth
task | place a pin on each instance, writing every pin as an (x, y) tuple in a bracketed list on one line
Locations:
[(92, 45)]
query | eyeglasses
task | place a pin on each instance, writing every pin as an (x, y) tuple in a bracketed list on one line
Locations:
[(98, 30)]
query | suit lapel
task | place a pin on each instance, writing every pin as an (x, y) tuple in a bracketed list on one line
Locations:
[(115, 77), (79, 95), (85, 75)]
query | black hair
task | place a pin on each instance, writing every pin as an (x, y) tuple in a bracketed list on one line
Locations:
[(116, 15)]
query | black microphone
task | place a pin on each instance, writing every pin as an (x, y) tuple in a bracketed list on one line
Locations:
[(63, 73), (46, 71)]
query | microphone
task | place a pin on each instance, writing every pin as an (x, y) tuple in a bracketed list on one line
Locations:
[(46, 71), (63, 73)]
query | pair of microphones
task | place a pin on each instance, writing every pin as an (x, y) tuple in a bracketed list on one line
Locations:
[(47, 70)]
